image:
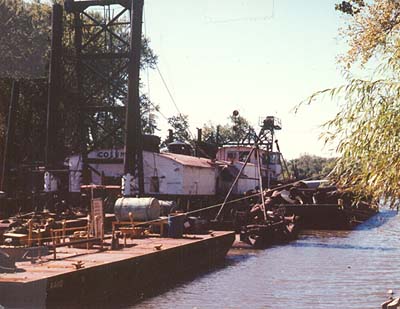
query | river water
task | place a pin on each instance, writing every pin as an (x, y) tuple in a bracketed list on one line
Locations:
[(322, 269)]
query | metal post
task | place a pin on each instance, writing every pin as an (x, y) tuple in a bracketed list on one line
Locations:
[(170, 136), (9, 151), (284, 162), (80, 98), (260, 181), (54, 86), (133, 138), (199, 135)]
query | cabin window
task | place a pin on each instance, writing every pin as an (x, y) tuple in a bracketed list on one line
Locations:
[(231, 155), (274, 158), (243, 155), (264, 159)]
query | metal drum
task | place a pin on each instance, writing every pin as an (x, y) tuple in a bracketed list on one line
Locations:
[(167, 207), (142, 209)]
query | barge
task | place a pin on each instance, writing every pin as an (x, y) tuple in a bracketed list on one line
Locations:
[(329, 216), (321, 205), (84, 276)]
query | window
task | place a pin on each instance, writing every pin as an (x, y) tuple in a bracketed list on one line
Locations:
[(231, 155), (243, 155)]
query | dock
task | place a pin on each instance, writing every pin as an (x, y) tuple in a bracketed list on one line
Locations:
[(82, 275)]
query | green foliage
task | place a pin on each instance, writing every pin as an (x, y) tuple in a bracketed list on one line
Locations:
[(180, 126), (236, 130), (310, 166), (367, 130), (24, 39)]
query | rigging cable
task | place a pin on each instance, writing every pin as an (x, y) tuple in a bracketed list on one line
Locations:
[(172, 98), (157, 108)]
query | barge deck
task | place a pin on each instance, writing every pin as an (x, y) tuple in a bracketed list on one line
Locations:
[(83, 275)]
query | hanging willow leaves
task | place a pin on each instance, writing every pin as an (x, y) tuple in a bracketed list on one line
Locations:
[(367, 128), (368, 133)]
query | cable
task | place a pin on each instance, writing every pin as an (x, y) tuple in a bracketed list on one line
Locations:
[(231, 201), (162, 78), (202, 209), (169, 92)]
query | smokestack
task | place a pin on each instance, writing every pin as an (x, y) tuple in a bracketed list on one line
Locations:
[(199, 134), (170, 136)]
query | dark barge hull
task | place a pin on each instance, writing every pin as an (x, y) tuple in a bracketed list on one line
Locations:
[(261, 236), (134, 272), (328, 216)]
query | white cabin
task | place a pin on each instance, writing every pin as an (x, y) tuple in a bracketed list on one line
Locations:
[(167, 173), (270, 161)]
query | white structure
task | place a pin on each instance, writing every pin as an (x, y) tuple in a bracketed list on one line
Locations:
[(167, 173), (270, 161)]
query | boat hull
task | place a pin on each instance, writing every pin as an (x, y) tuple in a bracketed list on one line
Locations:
[(328, 216)]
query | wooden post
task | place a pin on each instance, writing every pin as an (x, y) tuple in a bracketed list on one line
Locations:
[(63, 231), (30, 233), (52, 233), (88, 234)]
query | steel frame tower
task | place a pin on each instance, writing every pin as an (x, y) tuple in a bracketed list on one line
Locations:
[(106, 65)]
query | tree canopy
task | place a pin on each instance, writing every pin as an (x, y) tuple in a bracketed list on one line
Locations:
[(24, 43), (180, 126), (367, 127), (236, 130), (307, 166)]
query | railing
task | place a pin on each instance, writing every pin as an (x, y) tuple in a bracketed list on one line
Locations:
[(59, 237)]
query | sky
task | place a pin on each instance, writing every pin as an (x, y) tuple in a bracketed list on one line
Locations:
[(260, 57)]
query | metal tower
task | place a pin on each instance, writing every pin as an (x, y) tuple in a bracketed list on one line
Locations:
[(105, 61)]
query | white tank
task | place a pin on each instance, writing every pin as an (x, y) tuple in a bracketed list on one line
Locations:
[(142, 209)]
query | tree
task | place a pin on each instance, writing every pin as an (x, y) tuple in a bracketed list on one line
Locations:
[(235, 131), (24, 43), (180, 126), (367, 127), (307, 166)]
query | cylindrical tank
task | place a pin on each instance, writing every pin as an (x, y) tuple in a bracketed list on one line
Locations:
[(142, 209)]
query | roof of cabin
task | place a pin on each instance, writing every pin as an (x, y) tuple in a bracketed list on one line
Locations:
[(188, 160)]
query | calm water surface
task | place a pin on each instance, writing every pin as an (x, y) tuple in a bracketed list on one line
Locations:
[(322, 269)]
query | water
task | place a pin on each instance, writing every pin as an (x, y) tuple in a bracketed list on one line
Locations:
[(322, 269)]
